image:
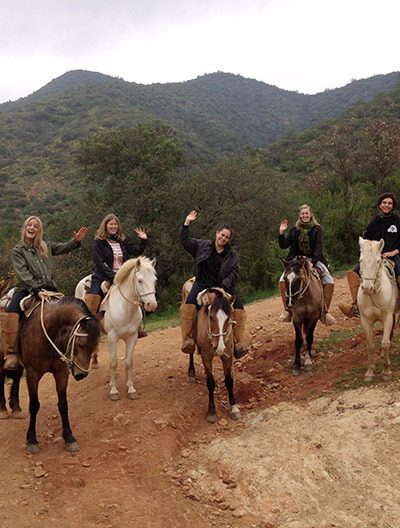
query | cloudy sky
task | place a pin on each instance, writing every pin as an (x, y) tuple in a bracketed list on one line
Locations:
[(304, 45)]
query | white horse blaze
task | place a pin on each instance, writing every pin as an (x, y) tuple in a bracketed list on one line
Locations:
[(221, 318), (290, 278)]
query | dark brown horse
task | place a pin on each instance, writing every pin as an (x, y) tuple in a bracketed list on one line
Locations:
[(304, 296), (13, 376), (58, 337), (214, 338)]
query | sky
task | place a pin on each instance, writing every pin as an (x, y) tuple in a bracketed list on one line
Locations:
[(303, 45)]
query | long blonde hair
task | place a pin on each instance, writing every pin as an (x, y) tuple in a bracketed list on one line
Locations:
[(101, 233), (312, 218), (38, 242)]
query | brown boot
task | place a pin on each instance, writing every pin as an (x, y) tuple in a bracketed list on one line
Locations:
[(188, 314), (285, 316), (351, 310), (328, 294), (92, 301), (9, 333), (240, 317)]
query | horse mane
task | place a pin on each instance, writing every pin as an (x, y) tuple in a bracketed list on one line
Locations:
[(129, 265)]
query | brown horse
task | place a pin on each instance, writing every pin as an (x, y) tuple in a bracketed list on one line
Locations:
[(13, 375), (58, 337), (214, 337), (305, 301)]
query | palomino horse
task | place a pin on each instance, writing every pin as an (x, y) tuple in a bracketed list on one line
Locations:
[(305, 301), (214, 337), (13, 375), (58, 337), (376, 301), (133, 290)]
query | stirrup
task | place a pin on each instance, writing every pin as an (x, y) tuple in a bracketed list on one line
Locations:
[(239, 351), (285, 317), (11, 362), (188, 346), (142, 333), (329, 319)]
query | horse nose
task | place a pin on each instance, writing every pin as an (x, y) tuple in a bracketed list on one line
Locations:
[(80, 376), (150, 306)]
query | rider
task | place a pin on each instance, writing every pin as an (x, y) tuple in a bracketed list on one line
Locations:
[(385, 225), (305, 238), (32, 260), (110, 251), (216, 265)]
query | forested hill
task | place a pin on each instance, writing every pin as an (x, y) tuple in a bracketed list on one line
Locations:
[(217, 113)]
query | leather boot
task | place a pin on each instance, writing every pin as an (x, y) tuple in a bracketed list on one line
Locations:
[(92, 301), (285, 316), (328, 293), (9, 333), (188, 314), (240, 317), (351, 310)]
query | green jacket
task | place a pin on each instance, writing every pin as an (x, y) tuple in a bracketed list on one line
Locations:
[(34, 270)]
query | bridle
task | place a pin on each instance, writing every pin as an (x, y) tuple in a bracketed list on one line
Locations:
[(302, 288), (139, 296), (225, 335), (68, 356)]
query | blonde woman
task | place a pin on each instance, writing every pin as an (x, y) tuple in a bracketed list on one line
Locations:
[(32, 260), (305, 238)]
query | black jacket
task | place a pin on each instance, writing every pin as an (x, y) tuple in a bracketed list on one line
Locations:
[(386, 227), (202, 249), (103, 256), (291, 240)]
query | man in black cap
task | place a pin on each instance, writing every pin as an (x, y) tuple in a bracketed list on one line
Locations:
[(385, 225)]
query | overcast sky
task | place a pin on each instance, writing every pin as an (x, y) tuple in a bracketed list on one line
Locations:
[(304, 45)]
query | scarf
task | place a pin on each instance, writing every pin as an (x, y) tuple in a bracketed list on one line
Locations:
[(304, 239)]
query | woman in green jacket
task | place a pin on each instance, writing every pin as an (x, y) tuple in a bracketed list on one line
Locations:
[(32, 260)]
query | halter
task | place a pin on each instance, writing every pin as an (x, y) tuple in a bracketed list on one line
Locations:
[(301, 291), (225, 335), (68, 357)]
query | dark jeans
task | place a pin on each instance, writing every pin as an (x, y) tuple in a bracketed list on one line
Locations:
[(198, 287), (17, 297), (95, 288), (396, 260)]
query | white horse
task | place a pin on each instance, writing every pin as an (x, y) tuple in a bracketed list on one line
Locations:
[(376, 300), (133, 289)]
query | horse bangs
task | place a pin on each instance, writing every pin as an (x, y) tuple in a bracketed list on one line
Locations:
[(129, 265)]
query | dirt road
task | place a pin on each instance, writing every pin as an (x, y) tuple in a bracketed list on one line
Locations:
[(305, 454)]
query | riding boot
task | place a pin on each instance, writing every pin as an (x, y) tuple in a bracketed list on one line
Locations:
[(92, 301), (240, 316), (9, 334), (285, 316), (351, 310), (328, 293), (188, 314)]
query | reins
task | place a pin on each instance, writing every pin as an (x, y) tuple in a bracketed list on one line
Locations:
[(68, 357)]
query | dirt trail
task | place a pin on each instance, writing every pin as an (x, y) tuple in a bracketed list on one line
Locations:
[(304, 454)]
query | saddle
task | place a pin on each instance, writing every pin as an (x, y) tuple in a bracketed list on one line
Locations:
[(29, 303)]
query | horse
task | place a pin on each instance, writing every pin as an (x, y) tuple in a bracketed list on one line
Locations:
[(376, 300), (305, 301), (213, 335), (133, 289), (14, 376), (59, 337)]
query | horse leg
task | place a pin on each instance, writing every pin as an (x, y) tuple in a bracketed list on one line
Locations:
[(298, 344), (369, 334), (112, 346), (228, 373), (3, 408), (32, 380), (61, 378), (386, 344), (16, 411), (207, 362), (130, 346), (191, 369), (309, 329)]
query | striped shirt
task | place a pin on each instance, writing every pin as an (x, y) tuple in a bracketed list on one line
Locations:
[(117, 254)]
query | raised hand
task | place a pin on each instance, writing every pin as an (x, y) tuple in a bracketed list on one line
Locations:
[(284, 225), (191, 217), (141, 233), (80, 234)]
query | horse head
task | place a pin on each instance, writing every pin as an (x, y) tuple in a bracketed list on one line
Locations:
[(370, 264), (218, 307), (295, 276), (138, 275)]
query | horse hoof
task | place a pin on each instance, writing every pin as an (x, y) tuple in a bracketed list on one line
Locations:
[(133, 396), (212, 418), (295, 371), (3, 415), (18, 414), (308, 367), (33, 448), (368, 378), (72, 447), (191, 379), (236, 415), (387, 377), (115, 397)]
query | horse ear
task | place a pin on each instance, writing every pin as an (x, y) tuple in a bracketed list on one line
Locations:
[(138, 263), (232, 300), (361, 242), (153, 262), (381, 244), (203, 298), (284, 262)]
